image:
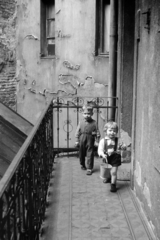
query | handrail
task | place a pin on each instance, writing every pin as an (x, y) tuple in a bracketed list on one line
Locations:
[(15, 162), (24, 186)]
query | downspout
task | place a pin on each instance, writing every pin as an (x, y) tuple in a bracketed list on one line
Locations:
[(113, 58)]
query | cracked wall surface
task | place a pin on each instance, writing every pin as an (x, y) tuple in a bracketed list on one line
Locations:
[(73, 70), (147, 124)]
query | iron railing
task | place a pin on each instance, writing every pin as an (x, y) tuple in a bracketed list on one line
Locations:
[(23, 188), (67, 113)]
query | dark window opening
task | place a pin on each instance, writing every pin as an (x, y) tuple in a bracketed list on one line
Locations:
[(102, 27), (47, 28)]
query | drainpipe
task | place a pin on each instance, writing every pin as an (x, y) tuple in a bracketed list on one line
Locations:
[(113, 58)]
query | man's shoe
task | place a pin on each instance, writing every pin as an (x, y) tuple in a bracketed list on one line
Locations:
[(83, 167), (113, 188), (89, 172), (107, 180)]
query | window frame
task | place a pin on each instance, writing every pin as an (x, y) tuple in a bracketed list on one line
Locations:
[(43, 29), (99, 33)]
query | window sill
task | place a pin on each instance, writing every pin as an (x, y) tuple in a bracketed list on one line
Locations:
[(103, 55), (48, 57)]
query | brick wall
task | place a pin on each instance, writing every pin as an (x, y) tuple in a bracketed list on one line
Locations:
[(8, 83)]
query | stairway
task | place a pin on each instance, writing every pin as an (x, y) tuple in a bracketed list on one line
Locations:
[(14, 129)]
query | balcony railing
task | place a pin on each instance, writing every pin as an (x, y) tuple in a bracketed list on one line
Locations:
[(67, 112), (24, 187)]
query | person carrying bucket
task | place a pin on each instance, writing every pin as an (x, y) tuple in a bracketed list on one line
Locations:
[(108, 150)]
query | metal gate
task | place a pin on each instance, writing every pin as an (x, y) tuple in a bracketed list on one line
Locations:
[(67, 112)]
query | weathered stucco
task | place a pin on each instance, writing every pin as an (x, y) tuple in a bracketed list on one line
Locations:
[(146, 193), (28, 81), (138, 174), (74, 70), (147, 124)]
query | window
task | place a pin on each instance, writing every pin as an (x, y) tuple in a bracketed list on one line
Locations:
[(102, 27), (47, 28)]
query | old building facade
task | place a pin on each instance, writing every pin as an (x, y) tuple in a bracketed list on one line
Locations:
[(65, 48), (57, 57)]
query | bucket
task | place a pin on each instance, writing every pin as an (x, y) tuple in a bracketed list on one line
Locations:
[(105, 169)]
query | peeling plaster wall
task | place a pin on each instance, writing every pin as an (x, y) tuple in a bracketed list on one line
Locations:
[(147, 135), (74, 70), (8, 82), (33, 73)]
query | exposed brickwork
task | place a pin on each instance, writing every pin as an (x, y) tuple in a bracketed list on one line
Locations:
[(8, 83)]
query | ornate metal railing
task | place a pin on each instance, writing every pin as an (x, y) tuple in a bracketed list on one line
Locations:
[(67, 113), (23, 188)]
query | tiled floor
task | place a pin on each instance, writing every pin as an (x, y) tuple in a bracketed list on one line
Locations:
[(82, 207)]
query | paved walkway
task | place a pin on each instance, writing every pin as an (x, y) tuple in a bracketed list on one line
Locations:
[(82, 207)]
